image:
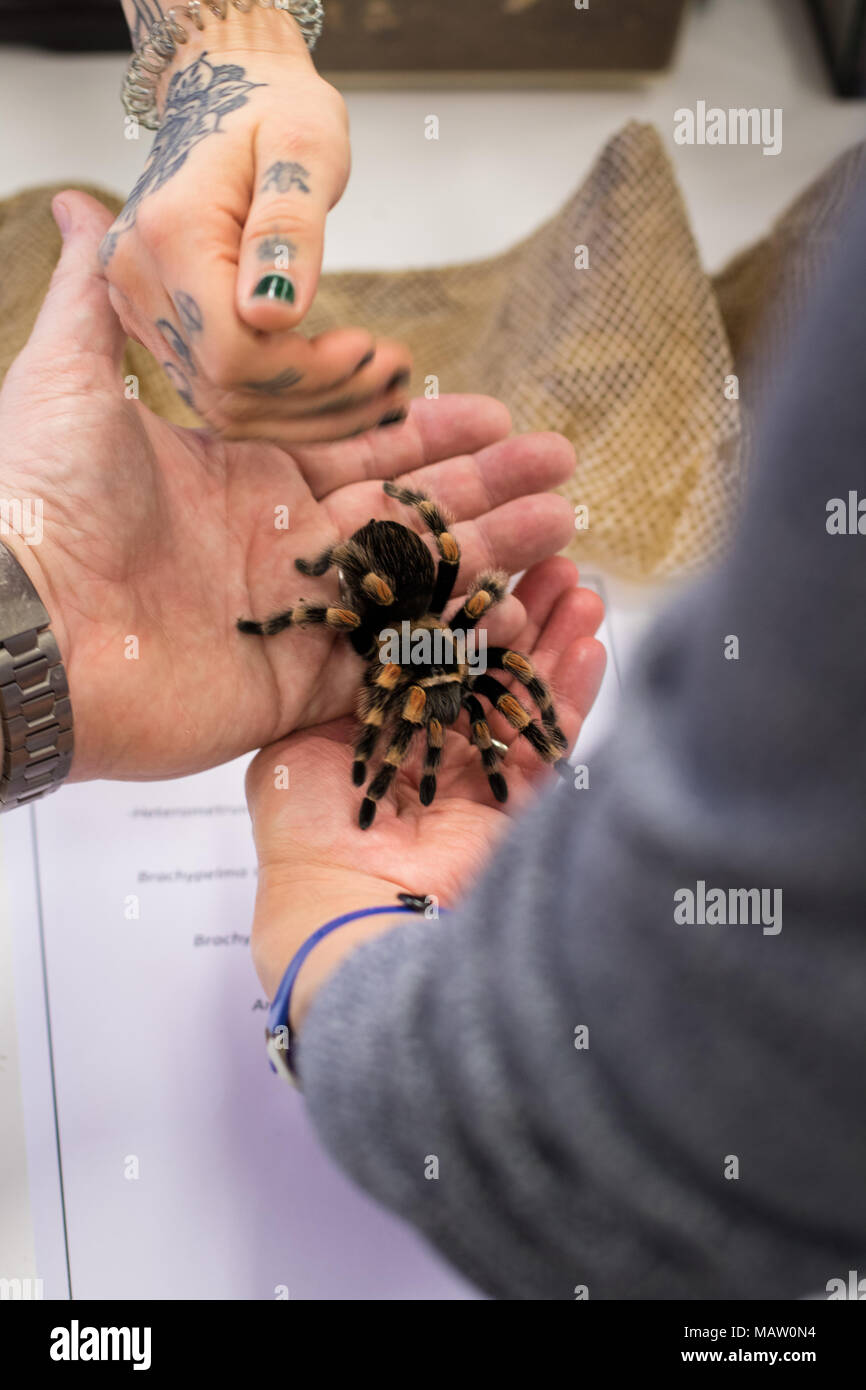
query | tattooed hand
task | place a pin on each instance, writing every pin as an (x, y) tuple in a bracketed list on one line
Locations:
[(215, 259), (156, 539)]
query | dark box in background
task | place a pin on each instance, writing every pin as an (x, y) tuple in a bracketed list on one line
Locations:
[(841, 28), (426, 37), (489, 36)]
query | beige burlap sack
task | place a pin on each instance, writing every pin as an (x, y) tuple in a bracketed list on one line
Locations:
[(627, 357), (627, 354), (764, 291)]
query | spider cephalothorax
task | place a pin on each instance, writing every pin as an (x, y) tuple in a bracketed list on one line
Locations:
[(390, 586)]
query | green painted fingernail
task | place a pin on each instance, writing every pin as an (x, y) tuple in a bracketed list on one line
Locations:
[(275, 287)]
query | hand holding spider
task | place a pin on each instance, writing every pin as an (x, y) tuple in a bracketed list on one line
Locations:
[(166, 535), (314, 860)]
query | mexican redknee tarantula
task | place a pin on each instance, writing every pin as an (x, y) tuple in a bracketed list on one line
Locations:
[(388, 581)]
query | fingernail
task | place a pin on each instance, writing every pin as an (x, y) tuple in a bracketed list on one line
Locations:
[(365, 360), (61, 216), (275, 287), (396, 417), (398, 379)]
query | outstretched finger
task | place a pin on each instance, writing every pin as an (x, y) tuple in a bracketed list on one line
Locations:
[(450, 426)]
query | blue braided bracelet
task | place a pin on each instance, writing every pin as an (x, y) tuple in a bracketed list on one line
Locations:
[(279, 1038)]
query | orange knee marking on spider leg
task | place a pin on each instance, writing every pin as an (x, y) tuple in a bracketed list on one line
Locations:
[(513, 711), (448, 548), (388, 676), (513, 661), (377, 588), (413, 708), (435, 734), (342, 617), (375, 716), (395, 756), (481, 731), (478, 603)]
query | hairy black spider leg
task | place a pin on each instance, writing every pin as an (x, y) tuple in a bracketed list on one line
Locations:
[(341, 617), (435, 744), (487, 590), (320, 565), (405, 730), (449, 550), (377, 703), (481, 737), (519, 666), (278, 622), (517, 715)]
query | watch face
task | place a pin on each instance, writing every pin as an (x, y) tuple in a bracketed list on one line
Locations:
[(21, 610)]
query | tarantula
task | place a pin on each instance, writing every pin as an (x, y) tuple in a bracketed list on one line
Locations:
[(388, 580)]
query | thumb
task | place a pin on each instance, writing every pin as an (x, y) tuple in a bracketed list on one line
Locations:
[(281, 248), (76, 317)]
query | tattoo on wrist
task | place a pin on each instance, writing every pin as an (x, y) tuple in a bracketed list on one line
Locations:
[(142, 19), (285, 175), (198, 98)]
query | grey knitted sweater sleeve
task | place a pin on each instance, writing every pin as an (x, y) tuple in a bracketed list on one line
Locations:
[(705, 1136)]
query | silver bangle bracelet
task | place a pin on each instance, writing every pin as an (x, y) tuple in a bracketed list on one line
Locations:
[(150, 61)]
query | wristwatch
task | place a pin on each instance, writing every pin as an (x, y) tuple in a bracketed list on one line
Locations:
[(35, 710)]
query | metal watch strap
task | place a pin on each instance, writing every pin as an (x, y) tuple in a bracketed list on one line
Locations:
[(35, 710)]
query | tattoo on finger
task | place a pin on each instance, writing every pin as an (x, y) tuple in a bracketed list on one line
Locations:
[(279, 251), (188, 311), (284, 382), (180, 383), (341, 404), (284, 175), (177, 344)]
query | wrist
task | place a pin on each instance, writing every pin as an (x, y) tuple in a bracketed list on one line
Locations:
[(36, 709), (33, 565), (257, 36), (87, 708), (290, 908)]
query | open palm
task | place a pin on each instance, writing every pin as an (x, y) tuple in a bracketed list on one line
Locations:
[(157, 538), (315, 861)]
